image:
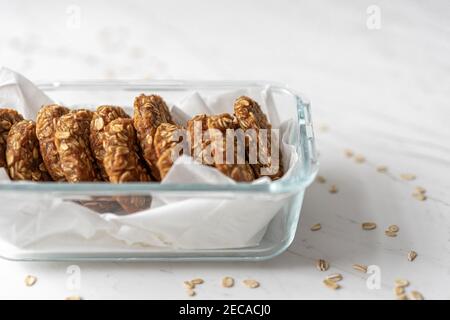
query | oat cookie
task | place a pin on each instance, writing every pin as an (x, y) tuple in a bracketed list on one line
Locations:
[(149, 113), (122, 161), (169, 143), (197, 130), (22, 153), (250, 116), (8, 117), (72, 144), (45, 132), (232, 165), (101, 118)]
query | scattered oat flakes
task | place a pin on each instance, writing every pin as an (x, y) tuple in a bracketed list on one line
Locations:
[(402, 297), (390, 233), (399, 291), (382, 169), (401, 283), (321, 179), (227, 282), (419, 196), (316, 227), (73, 298), (333, 189), (360, 159), (420, 190), (323, 128), (331, 284), (335, 277), (412, 255), (408, 176), (393, 228), (249, 283), (416, 295), (348, 153), (190, 292), (360, 268), (197, 281), (30, 280), (189, 285), (322, 265), (369, 225)]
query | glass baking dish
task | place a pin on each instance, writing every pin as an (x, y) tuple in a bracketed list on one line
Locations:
[(279, 233)]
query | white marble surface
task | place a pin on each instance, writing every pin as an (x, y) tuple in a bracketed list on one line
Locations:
[(382, 93)]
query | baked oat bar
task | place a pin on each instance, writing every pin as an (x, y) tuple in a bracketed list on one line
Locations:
[(250, 116), (22, 153), (72, 144), (101, 118), (8, 117), (149, 113), (225, 160), (197, 130), (45, 132), (122, 161), (169, 144)]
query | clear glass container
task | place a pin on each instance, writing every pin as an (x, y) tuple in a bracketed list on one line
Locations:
[(278, 235)]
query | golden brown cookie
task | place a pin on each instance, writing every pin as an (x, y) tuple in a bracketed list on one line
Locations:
[(45, 132), (72, 144), (149, 113), (122, 161), (250, 116), (226, 162), (169, 144), (101, 118), (199, 141), (8, 117), (22, 153)]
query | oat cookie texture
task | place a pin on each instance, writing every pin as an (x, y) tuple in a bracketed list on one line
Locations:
[(22, 153), (250, 116), (122, 162), (8, 117), (232, 166), (199, 141), (149, 113), (72, 143), (100, 119), (168, 142), (45, 132)]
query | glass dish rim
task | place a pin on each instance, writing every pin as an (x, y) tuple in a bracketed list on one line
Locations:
[(305, 143)]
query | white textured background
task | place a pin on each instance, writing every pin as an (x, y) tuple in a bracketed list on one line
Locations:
[(383, 93)]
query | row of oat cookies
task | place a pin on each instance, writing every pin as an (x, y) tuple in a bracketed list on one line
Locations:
[(207, 139), (160, 137), (107, 145), (247, 115)]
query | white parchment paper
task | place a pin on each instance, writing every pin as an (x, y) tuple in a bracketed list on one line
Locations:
[(195, 223)]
